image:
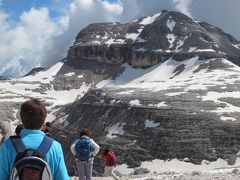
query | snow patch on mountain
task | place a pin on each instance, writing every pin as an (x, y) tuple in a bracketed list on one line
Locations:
[(175, 94), (177, 166), (164, 76), (146, 21), (237, 45), (133, 36), (126, 92), (215, 96), (171, 38), (224, 118), (80, 76), (149, 19), (171, 23), (44, 76), (118, 41), (134, 102), (151, 124), (115, 129), (161, 104), (191, 49), (69, 74)]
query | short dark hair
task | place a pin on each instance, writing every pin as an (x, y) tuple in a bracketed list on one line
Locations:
[(48, 124), (106, 151), (19, 129), (33, 114), (85, 132)]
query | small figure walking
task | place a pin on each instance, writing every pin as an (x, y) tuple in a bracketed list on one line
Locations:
[(110, 162)]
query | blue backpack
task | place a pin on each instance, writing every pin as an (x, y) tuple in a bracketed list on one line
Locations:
[(84, 148)]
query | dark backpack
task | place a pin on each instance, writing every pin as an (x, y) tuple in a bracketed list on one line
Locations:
[(84, 148), (31, 164), (113, 159)]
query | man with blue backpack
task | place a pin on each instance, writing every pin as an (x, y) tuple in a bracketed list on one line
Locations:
[(32, 155), (84, 149)]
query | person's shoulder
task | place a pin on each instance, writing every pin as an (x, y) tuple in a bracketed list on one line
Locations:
[(93, 142), (55, 150), (84, 137), (7, 146), (7, 142), (56, 146), (56, 143)]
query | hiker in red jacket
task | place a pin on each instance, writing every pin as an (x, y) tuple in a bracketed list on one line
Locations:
[(110, 162)]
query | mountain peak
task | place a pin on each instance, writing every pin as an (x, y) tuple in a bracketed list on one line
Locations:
[(153, 39)]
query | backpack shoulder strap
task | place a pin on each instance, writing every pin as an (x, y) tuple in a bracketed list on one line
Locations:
[(45, 145), (17, 143)]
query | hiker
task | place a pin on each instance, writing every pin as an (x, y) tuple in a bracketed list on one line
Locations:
[(110, 162), (48, 129), (84, 149), (32, 141), (18, 129)]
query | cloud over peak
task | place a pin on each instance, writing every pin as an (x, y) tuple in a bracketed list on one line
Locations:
[(183, 6)]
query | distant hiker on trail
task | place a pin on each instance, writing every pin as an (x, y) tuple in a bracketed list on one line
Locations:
[(32, 155), (110, 162), (48, 129), (84, 148), (18, 129)]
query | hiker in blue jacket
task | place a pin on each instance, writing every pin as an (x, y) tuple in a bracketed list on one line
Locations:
[(84, 149), (33, 114)]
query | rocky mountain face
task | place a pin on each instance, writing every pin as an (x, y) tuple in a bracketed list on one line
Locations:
[(161, 87), (152, 40)]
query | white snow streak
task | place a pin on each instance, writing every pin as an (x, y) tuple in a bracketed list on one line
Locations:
[(115, 129), (134, 102), (171, 23), (150, 19), (151, 124)]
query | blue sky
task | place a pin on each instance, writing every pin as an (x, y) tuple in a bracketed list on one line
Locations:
[(37, 33), (16, 7)]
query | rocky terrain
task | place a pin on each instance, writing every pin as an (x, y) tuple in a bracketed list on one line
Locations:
[(220, 174), (161, 87)]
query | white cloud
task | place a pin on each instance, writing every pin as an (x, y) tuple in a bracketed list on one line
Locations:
[(84, 3), (22, 46), (116, 7), (183, 6), (3, 20)]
